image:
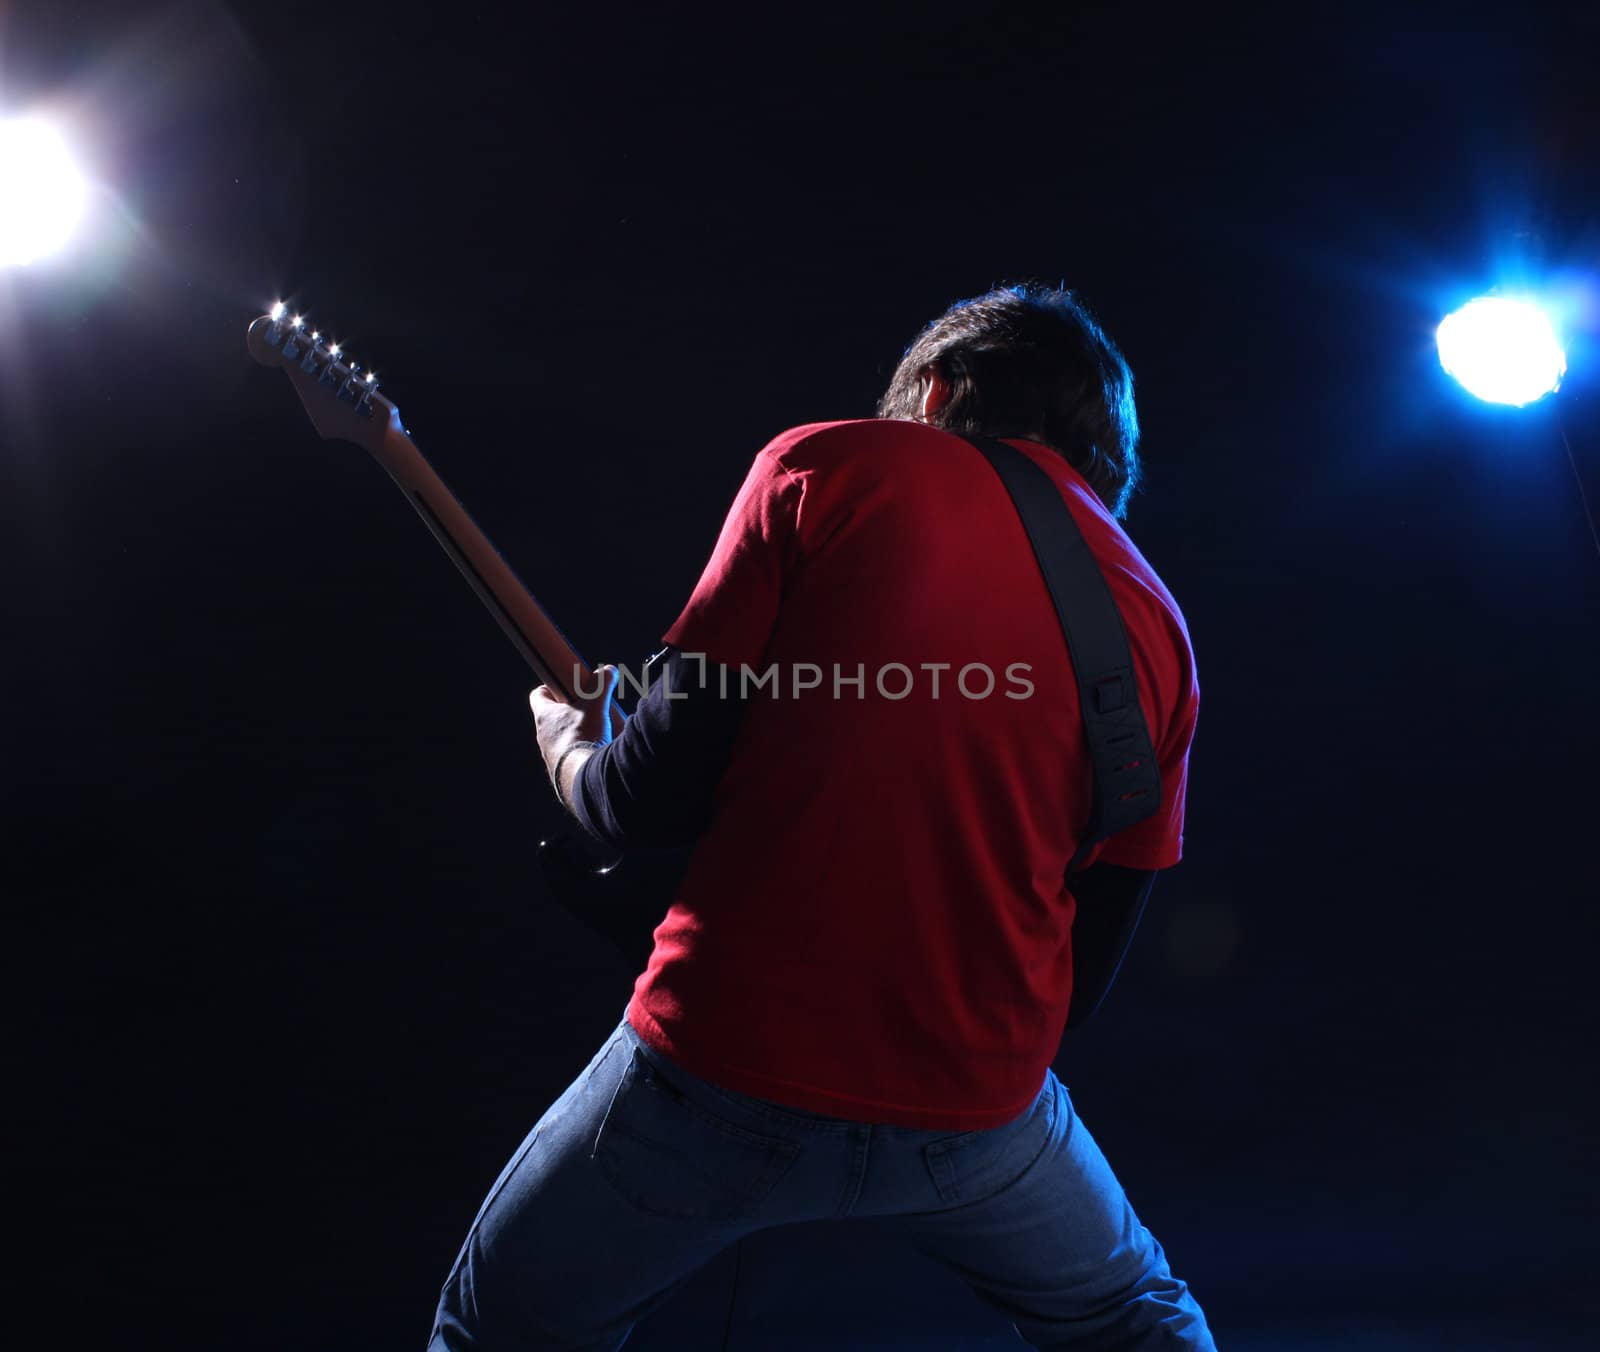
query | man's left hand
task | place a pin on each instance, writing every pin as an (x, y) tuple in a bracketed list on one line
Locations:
[(558, 724)]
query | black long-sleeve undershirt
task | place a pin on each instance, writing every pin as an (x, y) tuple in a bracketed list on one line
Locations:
[(1111, 900), (650, 787)]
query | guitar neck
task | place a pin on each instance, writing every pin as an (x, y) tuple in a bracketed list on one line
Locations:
[(554, 661)]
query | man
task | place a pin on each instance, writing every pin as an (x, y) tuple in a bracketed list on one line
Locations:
[(868, 727)]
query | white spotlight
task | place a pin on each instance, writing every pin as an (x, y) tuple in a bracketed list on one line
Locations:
[(41, 191)]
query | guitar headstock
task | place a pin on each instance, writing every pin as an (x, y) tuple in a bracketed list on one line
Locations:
[(340, 398)]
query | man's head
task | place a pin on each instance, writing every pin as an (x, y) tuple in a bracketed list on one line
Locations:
[(1026, 362)]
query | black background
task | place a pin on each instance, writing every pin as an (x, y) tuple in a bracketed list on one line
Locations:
[(286, 988)]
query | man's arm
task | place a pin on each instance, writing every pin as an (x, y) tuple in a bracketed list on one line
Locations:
[(651, 786), (1111, 899), (654, 789)]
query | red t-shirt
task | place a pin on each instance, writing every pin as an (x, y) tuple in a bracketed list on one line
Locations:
[(876, 923)]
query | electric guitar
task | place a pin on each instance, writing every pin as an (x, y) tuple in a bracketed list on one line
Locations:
[(622, 900)]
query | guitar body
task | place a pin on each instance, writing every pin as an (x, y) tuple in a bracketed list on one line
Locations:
[(622, 901)]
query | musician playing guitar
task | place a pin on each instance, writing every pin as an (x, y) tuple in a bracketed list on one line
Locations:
[(866, 725)]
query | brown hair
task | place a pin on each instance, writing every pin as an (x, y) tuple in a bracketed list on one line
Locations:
[(1031, 362)]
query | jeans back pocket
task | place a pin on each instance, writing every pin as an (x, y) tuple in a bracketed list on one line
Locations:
[(670, 1156), (976, 1165)]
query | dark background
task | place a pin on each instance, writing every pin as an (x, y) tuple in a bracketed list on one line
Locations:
[(286, 987)]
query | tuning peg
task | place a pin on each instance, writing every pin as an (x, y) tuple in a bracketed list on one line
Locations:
[(349, 387), (274, 333), (295, 337), (330, 371), (368, 387)]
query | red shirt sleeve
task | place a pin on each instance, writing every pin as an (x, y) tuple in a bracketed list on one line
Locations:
[(731, 613)]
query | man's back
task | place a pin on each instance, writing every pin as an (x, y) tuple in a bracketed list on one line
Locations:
[(876, 924), (852, 1005)]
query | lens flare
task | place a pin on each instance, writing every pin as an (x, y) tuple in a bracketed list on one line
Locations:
[(1503, 351), (41, 191)]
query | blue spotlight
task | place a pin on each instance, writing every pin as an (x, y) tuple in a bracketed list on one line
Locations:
[(1503, 351)]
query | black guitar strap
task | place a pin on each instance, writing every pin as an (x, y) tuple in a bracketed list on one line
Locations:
[(1127, 780)]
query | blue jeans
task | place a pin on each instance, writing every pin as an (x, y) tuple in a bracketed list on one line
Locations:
[(641, 1173)]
